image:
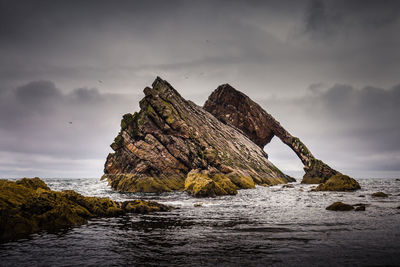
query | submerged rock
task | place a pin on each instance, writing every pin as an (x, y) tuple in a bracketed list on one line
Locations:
[(288, 186), (340, 206), (235, 108), (339, 182), (360, 208), (28, 206), (171, 140), (379, 194), (141, 206)]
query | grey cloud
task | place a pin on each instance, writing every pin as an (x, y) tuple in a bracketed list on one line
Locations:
[(354, 129), (38, 120)]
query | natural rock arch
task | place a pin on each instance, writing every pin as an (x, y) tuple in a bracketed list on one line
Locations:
[(235, 108)]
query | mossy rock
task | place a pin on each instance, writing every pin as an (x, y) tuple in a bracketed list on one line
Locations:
[(28, 206), (340, 206), (140, 206), (33, 183), (339, 182), (133, 183), (209, 184), (312, 180), (380, 194)]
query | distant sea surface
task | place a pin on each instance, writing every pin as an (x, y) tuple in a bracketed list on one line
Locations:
[(258, 227)]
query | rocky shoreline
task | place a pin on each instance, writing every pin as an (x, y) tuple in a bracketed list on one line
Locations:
[(28, 206)]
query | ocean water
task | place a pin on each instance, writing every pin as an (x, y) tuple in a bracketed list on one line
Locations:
[(266, 226)]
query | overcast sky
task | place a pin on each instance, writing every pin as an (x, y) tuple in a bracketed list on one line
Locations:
[(329, 71)]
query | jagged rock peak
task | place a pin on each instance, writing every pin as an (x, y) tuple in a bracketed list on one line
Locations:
[(171, 137)]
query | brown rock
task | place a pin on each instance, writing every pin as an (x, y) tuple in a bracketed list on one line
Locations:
[(235, 108), (340, 206), (379, 194), (169, 137)]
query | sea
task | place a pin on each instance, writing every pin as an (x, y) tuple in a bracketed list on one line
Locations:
[(265, 226)]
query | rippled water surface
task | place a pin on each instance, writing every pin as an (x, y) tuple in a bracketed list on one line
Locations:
[(258, 227)]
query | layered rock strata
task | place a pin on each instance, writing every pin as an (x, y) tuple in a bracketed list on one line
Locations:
[(172, 139), (235, 108)]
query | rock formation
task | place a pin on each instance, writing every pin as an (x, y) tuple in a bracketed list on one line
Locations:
[(339, 182), (28, 206), (379, 194), (340, 206), (171, 140), (235, 108)]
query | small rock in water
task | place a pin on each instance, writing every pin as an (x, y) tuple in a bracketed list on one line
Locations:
[(360, 208), (361, 196), (340, 206), (198, 204), (288, 186), (379, 194)]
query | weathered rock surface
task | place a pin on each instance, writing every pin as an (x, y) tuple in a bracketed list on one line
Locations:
[(338, 182), (340, 206), (379, 194), (171, 137), (235, 108), (28, 206)]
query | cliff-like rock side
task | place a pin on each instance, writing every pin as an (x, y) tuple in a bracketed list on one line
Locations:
[(28, 206), (171, 140), (235, 108)]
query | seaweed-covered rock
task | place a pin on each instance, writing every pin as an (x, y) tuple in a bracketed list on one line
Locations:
[(33, 183), (28, 206), (235, 108), (140, 206), (379, 194), (339, 182), (169, 137), (204, 183), (340, 206)]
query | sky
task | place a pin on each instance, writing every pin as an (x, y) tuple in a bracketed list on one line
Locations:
[(327, 70)]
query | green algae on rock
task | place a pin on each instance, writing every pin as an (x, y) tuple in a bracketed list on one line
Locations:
[(28, 206), (340, 206), (169, 137), (339, 182)]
